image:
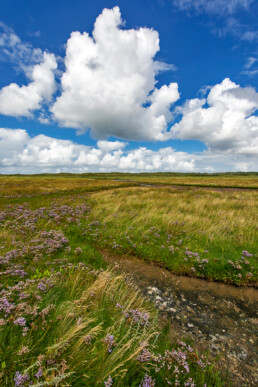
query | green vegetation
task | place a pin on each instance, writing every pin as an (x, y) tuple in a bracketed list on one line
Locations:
[(197, 232), (66, 318)]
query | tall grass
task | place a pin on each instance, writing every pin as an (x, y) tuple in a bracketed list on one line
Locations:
[(195, 231)]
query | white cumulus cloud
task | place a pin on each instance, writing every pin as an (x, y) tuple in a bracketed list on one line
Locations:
[(227, 124), (109, 82), (19, 153), (19, 101)]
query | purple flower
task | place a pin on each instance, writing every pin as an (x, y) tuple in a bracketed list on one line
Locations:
[(137, 316), (108, 382), (42, 286), (39, 373), (24, 331), (110, 341), (20, 321), (145, 356), (147, 382), (20, 379), (246, 254), (200, 363), (6, 306)]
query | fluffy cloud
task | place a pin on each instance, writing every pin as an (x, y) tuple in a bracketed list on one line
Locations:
[(23, 100), (228, 123), (109, 82), (220, 7), (12, 142), (42, 153), (22, 154)]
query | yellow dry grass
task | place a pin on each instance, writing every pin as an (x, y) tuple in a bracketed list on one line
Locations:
[(200, 209)]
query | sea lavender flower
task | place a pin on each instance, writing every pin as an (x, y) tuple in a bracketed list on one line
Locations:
[(20, 379), (24, 331), (137, 316), (23, 296), (20, 321), (145, 356), (147, 382), (246, 254), (39, 373), (42, 286), (200, 363), (109, 382), (6, 306), (110, 341), (176, 370), (190, 383)]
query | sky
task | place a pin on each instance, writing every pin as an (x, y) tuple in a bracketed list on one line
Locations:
[(128, 86)]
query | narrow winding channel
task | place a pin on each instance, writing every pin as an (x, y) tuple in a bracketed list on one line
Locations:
[(219, 318)]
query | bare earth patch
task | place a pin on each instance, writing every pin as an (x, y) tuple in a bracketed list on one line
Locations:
[(219, 318)]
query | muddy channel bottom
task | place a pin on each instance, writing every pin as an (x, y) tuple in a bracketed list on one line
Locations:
[(220, 318)]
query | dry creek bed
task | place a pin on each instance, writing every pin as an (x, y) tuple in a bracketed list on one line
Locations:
[(219, 318)]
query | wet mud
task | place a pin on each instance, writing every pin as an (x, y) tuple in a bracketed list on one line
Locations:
[(221, 319)]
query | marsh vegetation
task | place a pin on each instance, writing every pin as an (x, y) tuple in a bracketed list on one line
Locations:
[(66, 318)]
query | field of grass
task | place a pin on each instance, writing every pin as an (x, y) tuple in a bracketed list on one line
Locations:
[(67, 319), (22, 186), (196, 232)]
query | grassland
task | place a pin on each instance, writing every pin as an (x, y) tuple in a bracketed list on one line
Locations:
[(66, 318), (220, 180), (196, 232), (27, 186)]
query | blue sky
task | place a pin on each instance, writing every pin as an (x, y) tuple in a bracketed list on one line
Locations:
[(161, 85)]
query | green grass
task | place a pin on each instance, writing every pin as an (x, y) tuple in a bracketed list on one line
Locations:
[(194, 232)]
